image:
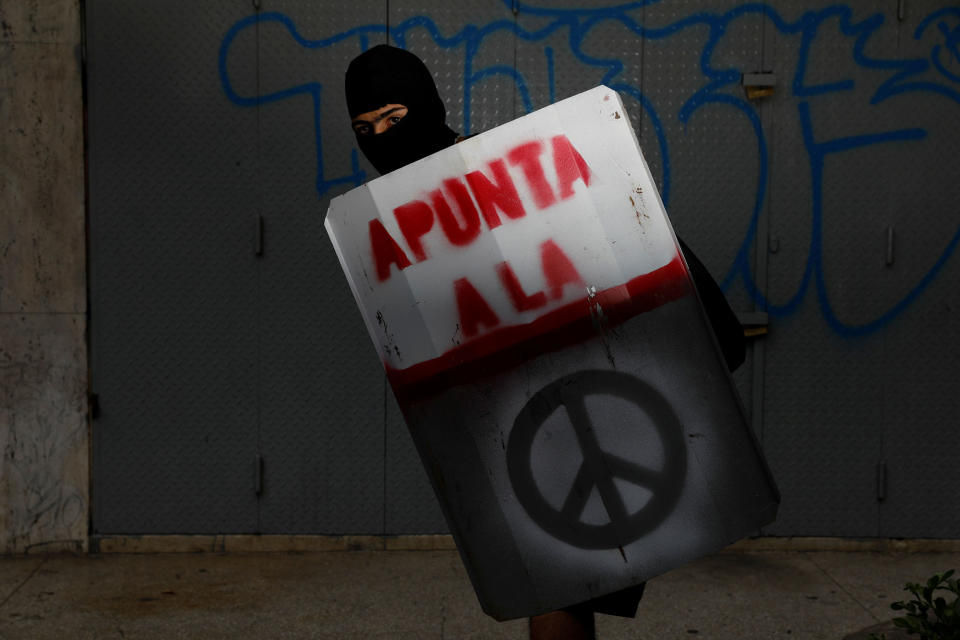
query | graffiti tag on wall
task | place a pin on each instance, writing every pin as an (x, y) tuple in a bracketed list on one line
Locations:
[(931, 74)]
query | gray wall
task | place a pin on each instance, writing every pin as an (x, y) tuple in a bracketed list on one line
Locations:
[(44, 483)]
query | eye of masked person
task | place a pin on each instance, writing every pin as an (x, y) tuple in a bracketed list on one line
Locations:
[(379, 120)]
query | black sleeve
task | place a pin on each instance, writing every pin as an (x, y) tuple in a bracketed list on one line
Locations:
[(724, 321)]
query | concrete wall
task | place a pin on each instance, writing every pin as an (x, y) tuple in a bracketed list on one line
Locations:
[(44, 468)]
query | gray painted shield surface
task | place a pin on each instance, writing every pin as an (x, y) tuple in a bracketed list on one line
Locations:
[(593, 468)]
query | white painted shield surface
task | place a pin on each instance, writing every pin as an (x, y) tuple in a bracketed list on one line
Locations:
[(527, 297)]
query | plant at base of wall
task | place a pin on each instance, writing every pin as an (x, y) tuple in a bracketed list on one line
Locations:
[(932, 617)]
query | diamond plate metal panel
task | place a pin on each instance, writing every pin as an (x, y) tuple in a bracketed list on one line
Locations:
[(824, 384), (410, 504), (322, 413), (714, 171), (822, 411), (570, 47), (470, 50), (858, 176), (173, 277), (920, 404), (921, 369)]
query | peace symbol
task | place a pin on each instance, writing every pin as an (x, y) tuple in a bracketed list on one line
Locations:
[(598, 468)]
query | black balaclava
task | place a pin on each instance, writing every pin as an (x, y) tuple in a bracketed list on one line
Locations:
[(386, 75)]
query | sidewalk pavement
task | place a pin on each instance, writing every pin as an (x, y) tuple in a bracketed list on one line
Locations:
[(426, 594)]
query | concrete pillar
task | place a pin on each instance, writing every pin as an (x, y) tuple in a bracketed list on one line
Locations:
[(44, 441)]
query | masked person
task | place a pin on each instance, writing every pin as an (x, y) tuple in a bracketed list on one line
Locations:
[(398, 118), (396, 112)]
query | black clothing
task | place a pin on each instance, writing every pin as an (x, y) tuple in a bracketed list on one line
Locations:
[(723, 320), (386, 75)]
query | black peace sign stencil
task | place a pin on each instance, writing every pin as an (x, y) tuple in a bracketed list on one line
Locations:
[(598, 468)]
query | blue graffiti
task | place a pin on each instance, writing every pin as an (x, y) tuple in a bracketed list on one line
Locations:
[(947, 52), (721, 88)]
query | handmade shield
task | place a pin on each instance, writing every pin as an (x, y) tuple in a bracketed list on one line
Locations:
[(538, 324)]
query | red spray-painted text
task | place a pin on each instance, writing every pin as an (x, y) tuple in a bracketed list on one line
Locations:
[(487, 200)]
